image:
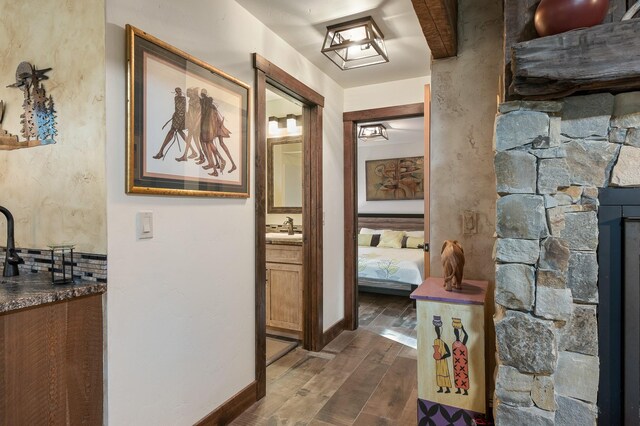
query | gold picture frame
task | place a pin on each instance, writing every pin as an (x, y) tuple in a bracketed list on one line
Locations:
[(187, 124)]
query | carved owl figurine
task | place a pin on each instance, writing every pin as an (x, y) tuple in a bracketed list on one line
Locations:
[(452, 257)]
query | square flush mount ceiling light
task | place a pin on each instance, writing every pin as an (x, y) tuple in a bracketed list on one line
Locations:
[(372, 131), (355, 44)]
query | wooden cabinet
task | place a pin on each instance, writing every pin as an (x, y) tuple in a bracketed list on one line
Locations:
[(451, 356), (284, 287), (51, 364)]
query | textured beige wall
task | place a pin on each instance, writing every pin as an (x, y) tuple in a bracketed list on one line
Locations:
[(464, 105), (57, 193)]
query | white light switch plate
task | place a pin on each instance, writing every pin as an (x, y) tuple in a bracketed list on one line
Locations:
[(144, 225), (470, 222)]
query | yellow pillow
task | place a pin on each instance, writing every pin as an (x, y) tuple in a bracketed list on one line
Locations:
[(368, 240), (413, 242), (391, 239), (364, 239)]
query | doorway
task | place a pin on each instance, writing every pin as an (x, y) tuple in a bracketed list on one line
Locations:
[(287, 266), (351, 120), (284, 244)]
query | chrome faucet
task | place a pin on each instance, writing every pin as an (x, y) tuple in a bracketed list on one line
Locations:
[(12, 260), (289, 222)]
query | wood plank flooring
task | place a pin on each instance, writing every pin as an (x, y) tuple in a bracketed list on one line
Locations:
[(363, 377)]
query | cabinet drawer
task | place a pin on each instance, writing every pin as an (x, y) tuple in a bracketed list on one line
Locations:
[(284, 254)]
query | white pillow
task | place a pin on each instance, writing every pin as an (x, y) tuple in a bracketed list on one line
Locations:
[(417, 234)]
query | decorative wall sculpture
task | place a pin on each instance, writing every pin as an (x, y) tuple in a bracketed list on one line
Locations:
[(452, 257), (38, 119)]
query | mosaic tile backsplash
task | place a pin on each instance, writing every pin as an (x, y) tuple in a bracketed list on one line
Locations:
[(86, 266)]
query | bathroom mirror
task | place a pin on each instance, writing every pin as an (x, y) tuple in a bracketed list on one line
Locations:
[(284, 175)]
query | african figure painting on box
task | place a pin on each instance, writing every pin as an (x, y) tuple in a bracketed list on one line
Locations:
[(451, 359)]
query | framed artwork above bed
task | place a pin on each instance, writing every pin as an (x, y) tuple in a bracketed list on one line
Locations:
[(395, 179)]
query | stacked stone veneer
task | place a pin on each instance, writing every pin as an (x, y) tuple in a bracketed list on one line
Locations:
[(551, 159)]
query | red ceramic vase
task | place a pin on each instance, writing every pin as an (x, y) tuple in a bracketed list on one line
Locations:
[(558, 16)]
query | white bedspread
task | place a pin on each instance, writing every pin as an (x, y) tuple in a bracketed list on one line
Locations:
[(401, 265)]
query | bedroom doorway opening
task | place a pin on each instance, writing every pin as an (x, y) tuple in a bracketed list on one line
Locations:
[(386, 203), (288, 191)]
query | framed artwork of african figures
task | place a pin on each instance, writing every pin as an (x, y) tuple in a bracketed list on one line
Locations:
[(188, 123)]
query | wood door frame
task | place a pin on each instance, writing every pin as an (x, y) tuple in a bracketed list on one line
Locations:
[(312, 227), (350, 122)]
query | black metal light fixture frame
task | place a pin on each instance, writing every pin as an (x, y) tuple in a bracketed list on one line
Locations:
[(348, 51), (372, 131)]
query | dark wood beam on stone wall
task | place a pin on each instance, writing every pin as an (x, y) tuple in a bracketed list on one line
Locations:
[(439, 22), (519, 27), (604, 57)]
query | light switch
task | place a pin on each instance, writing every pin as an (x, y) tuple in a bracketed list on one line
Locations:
[(144, 225)]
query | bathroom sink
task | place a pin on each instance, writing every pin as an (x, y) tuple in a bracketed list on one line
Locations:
[(283, 236)]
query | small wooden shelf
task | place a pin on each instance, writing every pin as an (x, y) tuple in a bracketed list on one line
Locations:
[(9, 143)]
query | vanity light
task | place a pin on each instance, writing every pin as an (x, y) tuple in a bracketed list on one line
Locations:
[(372, 131), (273, 124), (287, 125), (291, 123), (354, 44)]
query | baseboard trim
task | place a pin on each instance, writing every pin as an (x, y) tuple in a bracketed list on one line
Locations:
[(332, 332), (231, 408)]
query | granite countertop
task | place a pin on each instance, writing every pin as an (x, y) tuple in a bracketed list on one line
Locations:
[(27, 290), (282, 238), (284, 242)]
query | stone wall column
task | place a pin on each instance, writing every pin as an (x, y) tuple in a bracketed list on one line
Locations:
[(551, 158)]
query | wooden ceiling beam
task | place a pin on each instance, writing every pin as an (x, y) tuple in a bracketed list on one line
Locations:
[(439, 22)]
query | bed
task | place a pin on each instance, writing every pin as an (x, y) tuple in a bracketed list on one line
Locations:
[(388, 270)]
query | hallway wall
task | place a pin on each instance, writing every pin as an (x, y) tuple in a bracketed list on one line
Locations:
[(392, 93), (403, 142), (464, 104), (463, 108), (180, 310)]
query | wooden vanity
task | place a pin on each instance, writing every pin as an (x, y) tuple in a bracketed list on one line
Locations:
[(51, 349), (284, 286)]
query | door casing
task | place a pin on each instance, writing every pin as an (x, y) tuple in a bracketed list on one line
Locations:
[(269, 74), (350, 122)]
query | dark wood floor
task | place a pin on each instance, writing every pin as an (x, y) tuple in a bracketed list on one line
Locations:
[(364, 377)]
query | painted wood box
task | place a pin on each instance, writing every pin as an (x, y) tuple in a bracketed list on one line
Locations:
[(451, 362)]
